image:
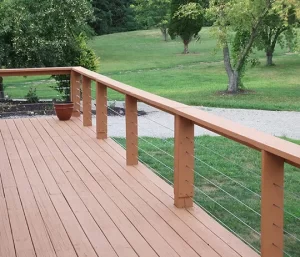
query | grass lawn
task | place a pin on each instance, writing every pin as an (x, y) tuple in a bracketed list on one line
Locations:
[(222, 164), (142, 59)]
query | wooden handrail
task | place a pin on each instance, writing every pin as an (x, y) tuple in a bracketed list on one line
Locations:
[(253, 138), (35, 71), (275, 151)]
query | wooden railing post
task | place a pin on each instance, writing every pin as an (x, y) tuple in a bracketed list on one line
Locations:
[(87, 101), (101, 111), (131, 131), (272, 205), (184, 163), (75, 92)]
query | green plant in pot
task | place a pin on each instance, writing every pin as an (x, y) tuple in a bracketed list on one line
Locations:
[(63, 106), (80, 55)]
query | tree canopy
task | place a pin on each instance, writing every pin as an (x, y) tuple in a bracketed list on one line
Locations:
[(153, 13), (186, 20), (47, 33), (112, 16), (238, 23)]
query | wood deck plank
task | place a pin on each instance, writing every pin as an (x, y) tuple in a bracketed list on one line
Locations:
[(197, 213), (201, 247), (44, 185), (147, 231), (88, 202), (41, 240), (115, 237), (173, 239), (20, 232), (230, 239), (90, 227), (6, 239), (75, 232)]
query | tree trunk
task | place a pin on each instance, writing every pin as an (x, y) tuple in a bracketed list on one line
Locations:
[(1, 89), (186, 47), (270, 59), (234, 80), (164, 32), (233, 75)]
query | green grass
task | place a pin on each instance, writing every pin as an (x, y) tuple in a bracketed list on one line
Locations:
[(18, 87), (220, 155), (142, 59)]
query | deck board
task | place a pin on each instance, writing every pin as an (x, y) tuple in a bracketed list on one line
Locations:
[(65, 193)]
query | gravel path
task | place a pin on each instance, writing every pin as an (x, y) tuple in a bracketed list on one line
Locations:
[(160, 124)]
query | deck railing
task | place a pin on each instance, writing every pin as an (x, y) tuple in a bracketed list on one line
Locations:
[(275, 152)]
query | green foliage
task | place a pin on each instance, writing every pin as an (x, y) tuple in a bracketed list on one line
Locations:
[(278, 27), (41, 34), (47, 33), (113, 16), (186, 19), (152, 13), (83, 56), (32, 96)]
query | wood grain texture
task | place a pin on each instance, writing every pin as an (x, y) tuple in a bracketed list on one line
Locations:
[(101, 111), (75, 92), (272, 205), (184, 163), (131, 131), (87, 101)]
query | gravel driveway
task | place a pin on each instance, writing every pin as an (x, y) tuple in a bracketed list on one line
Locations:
[(160, 124)]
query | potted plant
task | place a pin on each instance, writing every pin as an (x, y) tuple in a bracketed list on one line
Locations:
[(63, 107)]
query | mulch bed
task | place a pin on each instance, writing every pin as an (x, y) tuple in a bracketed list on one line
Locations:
[(23, 108), (9, 109)]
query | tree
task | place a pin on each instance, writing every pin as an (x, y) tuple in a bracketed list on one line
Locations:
[(43, 34), (237, 21), (186, 20), (112, 16), (153, 13), (279, 26)]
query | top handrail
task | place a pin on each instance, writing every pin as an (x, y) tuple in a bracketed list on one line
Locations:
[(35, 71), (250, 137)]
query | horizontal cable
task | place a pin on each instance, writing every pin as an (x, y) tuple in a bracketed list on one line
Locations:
[(233, 197), (228, 159), (171, 169), (158, 123), (240, 220), (231, 230), (282, 250), (220, 172), (289, 192), (156, 147), (156, 172), (291, 235)]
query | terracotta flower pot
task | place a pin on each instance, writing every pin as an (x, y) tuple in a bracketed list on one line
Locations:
[(64, 110)]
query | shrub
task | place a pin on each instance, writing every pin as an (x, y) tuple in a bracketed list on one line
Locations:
[(31, 96)]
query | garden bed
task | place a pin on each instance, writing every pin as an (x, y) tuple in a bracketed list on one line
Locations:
[(23, 108)]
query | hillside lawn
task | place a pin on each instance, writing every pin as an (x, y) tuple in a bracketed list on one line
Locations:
[(142, 59)]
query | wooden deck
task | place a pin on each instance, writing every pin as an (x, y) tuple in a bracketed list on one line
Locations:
[(65, 193)]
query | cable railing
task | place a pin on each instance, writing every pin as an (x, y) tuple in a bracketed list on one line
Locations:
[(246, 199)]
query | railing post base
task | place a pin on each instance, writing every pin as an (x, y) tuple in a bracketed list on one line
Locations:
[(272, 205), (131, 131), (184, 163), (87, 105), (101, 111), (75, 92)]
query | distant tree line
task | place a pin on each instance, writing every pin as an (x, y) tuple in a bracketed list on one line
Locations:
[(113, 16)]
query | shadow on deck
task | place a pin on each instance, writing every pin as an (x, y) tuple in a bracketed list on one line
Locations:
[(65, 193)]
